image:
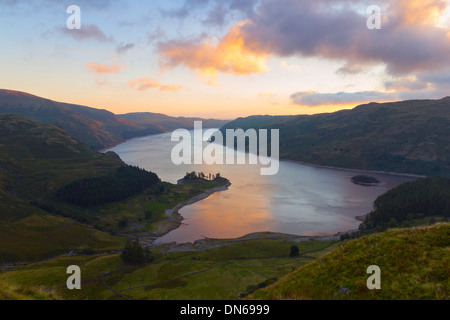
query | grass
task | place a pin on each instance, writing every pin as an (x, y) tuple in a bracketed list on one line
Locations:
[(11, 291), (217, 273), (414, 266)]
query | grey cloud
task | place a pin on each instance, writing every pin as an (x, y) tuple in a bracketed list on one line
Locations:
[(316, 28), (87, 31), (314, 99), (220, 12), (123, 48)]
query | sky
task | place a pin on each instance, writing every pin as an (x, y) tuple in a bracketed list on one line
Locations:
[(226, 58)]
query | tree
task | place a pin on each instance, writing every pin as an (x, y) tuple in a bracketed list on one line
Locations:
[(295, 252), (393, 223), (135, 254)]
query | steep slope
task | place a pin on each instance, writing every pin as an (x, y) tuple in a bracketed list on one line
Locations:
[(116, 125), (404, 137), (414, 265), (90, 131), (40, 157), (97, 128), (36, 160), (167, 124)]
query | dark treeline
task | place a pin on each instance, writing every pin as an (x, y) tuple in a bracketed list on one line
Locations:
[(125, 182), (193, 176), (428, 197)]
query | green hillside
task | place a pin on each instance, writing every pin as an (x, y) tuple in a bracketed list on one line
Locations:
[(36, 160), (58, 195), (34, 108), (97, 128), (414, 263), (404, 137), (415, 200)]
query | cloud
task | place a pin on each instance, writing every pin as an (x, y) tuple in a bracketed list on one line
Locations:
[(351, 68), (186, 8), (217, 15), (314, 99), (437, 78), (336, 30), (91, 4), (173, 88), (406, 84), (156, 35), (219, 11), (87, 31), (124, 48), (410, 40), (230, 56), (287, 66), (143, 84), (102, 68)]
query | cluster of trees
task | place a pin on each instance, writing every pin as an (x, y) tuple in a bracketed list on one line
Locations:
[(135, 254), (428, 197), (200, 176), (125, 182), (295, 252)]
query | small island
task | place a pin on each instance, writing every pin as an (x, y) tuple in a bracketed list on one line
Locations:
[(365, 181)]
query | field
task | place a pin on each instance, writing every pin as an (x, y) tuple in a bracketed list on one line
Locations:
[(218, 273)]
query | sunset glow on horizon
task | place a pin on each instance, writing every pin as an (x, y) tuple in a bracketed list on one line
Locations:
[(226, 59)]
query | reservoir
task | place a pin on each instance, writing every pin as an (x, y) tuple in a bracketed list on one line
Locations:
[(299, 200)]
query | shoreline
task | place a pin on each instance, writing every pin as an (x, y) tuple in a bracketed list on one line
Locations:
[(174, 219), (409, 175)]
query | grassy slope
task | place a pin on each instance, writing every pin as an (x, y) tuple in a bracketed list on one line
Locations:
[(11, 291), (229, 270), (90, 131), (415, 264), (35, 161), (406, 137), (97, 128)]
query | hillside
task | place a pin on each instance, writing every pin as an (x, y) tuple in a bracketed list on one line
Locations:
[(35, 160), (40, 158), (414, 265), (167, 124), (58, 195), (97, 128), (405, 137), (420, 199)]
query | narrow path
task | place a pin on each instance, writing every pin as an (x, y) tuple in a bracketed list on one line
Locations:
[(117, 293)]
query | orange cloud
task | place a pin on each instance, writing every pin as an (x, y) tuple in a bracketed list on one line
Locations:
[(420, 11), (102, 68), (147, 83), (171, 88), (230, 55)]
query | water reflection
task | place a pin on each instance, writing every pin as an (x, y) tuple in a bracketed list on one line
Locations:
[(300, 199)]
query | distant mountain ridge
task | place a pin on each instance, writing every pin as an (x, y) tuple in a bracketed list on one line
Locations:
[(97, 128), (404, 137)]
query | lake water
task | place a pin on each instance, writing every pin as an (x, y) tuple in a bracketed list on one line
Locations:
[(299, 200)]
